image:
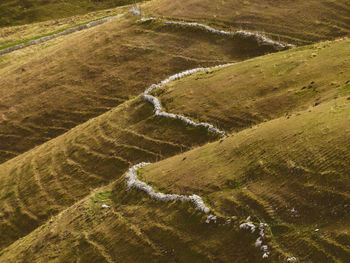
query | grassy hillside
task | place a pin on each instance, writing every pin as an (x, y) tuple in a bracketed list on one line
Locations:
[(12, 35), (263, 88), (20, 12), (72, 123), (53, 176), (290, 173), (87, 73), (296, 21), (133, 229)]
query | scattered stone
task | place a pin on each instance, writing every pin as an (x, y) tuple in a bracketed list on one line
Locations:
[(291, 260), (248, 226), (211, 218), (258, 242)]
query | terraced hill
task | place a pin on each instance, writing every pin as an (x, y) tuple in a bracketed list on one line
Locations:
[(75, 78), (295, 21), (75, 136), (288, 173), (263, 88)]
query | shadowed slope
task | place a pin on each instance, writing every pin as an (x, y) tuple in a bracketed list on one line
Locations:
[(295, 21), (133, 229), (47, 179), (267, 172), (19, 12), (93, 71)]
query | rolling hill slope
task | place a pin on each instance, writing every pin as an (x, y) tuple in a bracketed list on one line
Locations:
[(80, 76), (263, 88), (52, 177), (288, 173), (295, 21), (106, 156)]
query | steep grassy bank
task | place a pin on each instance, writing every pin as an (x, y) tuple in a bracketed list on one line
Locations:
[(290, 173), (90, 72), (53, 176), (263, 88), (133, 229)]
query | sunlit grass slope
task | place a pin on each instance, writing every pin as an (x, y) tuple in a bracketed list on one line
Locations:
[(263, 88), (20, 12), (12, 35), (297, 21), (80, 76), (53, 176), (291, 173), (133, 229)]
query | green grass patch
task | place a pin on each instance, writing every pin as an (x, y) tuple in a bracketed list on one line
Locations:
[(27, 40)]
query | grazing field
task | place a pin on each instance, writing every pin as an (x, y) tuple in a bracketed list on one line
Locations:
[(85, 74), (175, 137), (13, 35), (295, 21), (263, 88), (53, 176), (290, 173)]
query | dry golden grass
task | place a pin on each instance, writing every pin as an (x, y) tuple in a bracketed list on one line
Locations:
[(15, 34), (53, 176), (267, 172), (82, 75), (134, 229), (291, 173), (286, 166), (263, 88), (296, 21)]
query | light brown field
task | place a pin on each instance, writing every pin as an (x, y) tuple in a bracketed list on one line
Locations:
[(72, 123), (87, 73), (296, 21)]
